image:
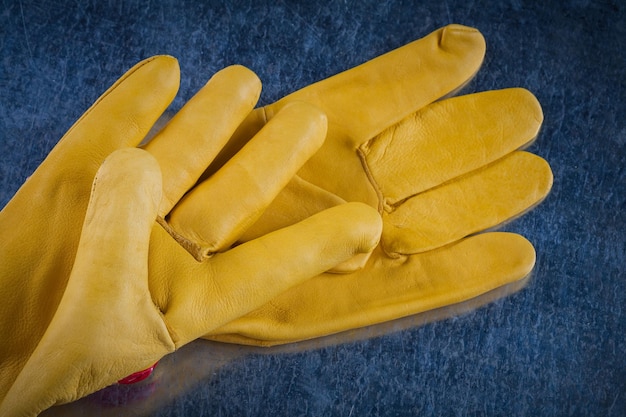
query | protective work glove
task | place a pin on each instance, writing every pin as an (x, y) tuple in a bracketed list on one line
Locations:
[(438, 170), (77, 316)]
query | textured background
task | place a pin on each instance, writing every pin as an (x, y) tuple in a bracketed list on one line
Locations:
[(556, 347)]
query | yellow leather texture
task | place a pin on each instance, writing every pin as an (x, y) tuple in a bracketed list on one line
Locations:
[(362, 102), (77, 317), (438, 169), (41, 224), (385, 289)]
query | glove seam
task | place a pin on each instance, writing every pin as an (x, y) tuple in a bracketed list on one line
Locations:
[(362, 154), (194, 249)]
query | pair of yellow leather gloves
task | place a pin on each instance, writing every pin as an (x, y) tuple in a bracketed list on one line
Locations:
[(226, 224)]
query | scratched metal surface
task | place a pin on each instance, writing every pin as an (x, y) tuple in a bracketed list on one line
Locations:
[(555, 346)]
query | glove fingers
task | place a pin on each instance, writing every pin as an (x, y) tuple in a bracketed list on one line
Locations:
[(192, 139), (364, 100), (297, 201), (330, 304), (233, 283), (246, 185), (121, 117), (475, 202), (106, 325), (449, 139)]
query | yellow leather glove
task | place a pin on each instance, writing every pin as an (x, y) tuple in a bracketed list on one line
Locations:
[(360, 104), (77, 317), (438, 170)]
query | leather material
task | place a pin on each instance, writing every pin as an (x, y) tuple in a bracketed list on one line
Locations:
[(439, 170), (440, 174), (360, 104), (41, 224), (94, 287), (385, 289)]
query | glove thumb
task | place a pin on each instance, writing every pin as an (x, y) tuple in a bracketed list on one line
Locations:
[(106, 325)]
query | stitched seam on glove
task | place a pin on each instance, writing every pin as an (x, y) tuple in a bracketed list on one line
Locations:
[(362, 152)]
